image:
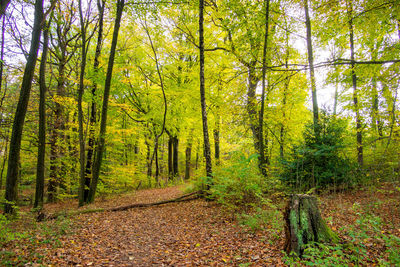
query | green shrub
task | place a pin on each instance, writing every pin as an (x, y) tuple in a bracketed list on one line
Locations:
[(319, 161), (238, 186), (268, 219)]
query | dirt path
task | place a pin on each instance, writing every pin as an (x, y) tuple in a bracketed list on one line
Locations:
[(177, 234)]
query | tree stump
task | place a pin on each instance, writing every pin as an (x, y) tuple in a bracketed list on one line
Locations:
[(305, 225)]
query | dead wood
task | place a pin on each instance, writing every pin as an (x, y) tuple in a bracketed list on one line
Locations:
[(186, 197), (304, 225)]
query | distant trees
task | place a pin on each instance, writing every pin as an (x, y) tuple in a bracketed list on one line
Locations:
[(255, 65)]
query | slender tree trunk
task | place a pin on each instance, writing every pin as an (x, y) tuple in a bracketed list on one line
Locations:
[(3, 29), (197, 155), (252, 104), (80, 111), (261, 158), (170, 157), (217, 143), (4, 161), (103, 123), (40, 168), (57, 149), (149, 162), (175, 162), (157, 165), (188, 154), (19, 118), (217, 128), (207, 150), (311, 65), (93, 110), (284, 100), (360, 158)]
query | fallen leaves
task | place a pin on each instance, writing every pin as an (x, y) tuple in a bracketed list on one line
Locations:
[(194, 233)]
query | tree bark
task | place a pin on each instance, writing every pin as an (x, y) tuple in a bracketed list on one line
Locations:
[(311, 66), (93, 109), (207, 150), (40, 168), (252, 104), (175, 162), (3, 29), (360, 156), (188, 155), (19, 118), (107, 86), (304, 225), (261, 158), (81, 90), (170, 157)]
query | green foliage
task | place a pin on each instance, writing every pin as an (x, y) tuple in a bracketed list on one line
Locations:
[(6, 233), (239, 185), (27, 239), (366, 232), (268, 219), (318, 161)]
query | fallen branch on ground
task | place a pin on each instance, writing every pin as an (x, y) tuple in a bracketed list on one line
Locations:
[(186, 197)]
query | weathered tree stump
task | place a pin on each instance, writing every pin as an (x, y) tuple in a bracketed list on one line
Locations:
[(305, 225)]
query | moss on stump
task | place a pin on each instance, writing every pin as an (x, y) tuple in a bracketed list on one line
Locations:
[(305, 225)]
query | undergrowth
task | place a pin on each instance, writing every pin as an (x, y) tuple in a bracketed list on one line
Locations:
[(365, 234), (18, 243)]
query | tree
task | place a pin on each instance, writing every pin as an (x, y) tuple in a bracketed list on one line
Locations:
[(19, 118), (354, 84), (93, 111), (40, 171), (103, 124), (311, 64), (207, 150), (80, 111), (264, 70)]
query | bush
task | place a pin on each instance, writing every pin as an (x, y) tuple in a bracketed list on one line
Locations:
[(238, 186), (319, 162)]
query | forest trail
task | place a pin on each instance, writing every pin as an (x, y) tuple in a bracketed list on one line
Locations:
[(192, 233)]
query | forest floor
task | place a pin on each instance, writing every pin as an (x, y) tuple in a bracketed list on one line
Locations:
[(192, 233)]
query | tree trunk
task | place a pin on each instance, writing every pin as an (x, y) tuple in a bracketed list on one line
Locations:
[(19, 118), (149, 163), (93, 109), (311, 65), (207, 150), (107, 86), (80, 111), (252, 104), (170, 157), (3, 29), (175, 162), (360, 157), (188, 154), (304, 225), (217, 128), (261, 158), (284, 100), (40, 168)]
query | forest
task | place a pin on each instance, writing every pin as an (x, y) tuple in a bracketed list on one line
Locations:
[(200, 133)]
